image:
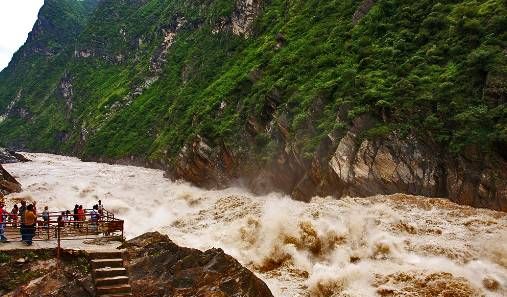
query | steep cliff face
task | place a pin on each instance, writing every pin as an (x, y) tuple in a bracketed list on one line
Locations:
[(273, 92)]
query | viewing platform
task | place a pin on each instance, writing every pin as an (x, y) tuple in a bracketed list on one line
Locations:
[(71, 233)]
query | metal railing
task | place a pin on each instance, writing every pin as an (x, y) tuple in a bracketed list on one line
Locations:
[(71, 227)]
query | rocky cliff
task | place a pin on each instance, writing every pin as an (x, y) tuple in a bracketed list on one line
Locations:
[(305, 97), (358, 167)]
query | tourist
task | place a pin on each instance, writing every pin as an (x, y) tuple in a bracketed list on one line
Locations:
[(14, 216), (101, 208), (28, 225), (94, 218), (80, 215), (22, 210), (66, 217), (60, 221), (3, 216), (45, 216), (76, 218)]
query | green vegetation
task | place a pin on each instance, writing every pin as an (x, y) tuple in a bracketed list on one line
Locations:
[(433, 69), (4, 258)]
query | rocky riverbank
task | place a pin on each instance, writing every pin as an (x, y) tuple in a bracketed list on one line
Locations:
[(8, 184), (157, 268), (9, 156), (351, 165)]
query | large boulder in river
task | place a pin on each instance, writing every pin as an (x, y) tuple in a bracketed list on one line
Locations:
[(158, 267), (7, 156), (8, 184)]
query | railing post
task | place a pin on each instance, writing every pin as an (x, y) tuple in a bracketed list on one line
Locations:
[(58, 248)]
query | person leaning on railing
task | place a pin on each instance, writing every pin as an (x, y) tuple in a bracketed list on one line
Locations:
[(14, 216), (28, 225), (80, 216), (22, 210), (45, 216), (94, 218)]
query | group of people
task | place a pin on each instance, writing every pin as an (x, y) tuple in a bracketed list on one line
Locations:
[(26, 215)]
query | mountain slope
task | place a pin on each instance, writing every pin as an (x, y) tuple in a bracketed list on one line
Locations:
[(284, 93), (30, 111)]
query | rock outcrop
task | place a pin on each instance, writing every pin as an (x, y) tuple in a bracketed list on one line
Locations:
[(8, 184), (7, 156), (352, 165), (392, 165), (159, 267), (244, 15), (33, 273), (362, 10), (206, 166)]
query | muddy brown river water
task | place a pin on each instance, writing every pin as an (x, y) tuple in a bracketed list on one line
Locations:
[(379, 246)]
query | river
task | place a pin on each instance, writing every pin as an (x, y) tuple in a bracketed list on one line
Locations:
[(379, 246)]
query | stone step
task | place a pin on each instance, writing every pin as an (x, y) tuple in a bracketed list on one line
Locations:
[(110, 272), (115, 289), (106, 255), (101, 263), (110, 281)]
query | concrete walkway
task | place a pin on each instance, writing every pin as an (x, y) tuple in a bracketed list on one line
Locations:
[(75, 244)]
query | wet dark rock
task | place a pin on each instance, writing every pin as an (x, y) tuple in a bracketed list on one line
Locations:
[(159, 267), (8, 156), (8, 184)]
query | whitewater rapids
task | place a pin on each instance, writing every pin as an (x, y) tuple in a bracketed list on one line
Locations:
[(379, 246)]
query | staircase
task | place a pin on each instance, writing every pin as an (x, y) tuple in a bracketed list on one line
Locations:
[(109, 275)]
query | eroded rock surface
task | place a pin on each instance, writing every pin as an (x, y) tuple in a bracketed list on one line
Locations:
[(33, 273), (351, 165), (8, 184), (7, 156), (204, 165), (159, 267)]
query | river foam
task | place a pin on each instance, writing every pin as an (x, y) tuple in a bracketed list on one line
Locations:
[(394, 245)]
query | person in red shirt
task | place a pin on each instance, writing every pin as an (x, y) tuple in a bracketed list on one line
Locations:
[(80, 215), (3, 217)]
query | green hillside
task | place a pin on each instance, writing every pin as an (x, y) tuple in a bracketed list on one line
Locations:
[(142, 78)]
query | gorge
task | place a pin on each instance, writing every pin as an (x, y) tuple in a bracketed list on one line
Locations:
[(339, 98), (333, 148)]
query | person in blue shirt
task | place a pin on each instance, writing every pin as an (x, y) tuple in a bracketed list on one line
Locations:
[(94, 218)]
